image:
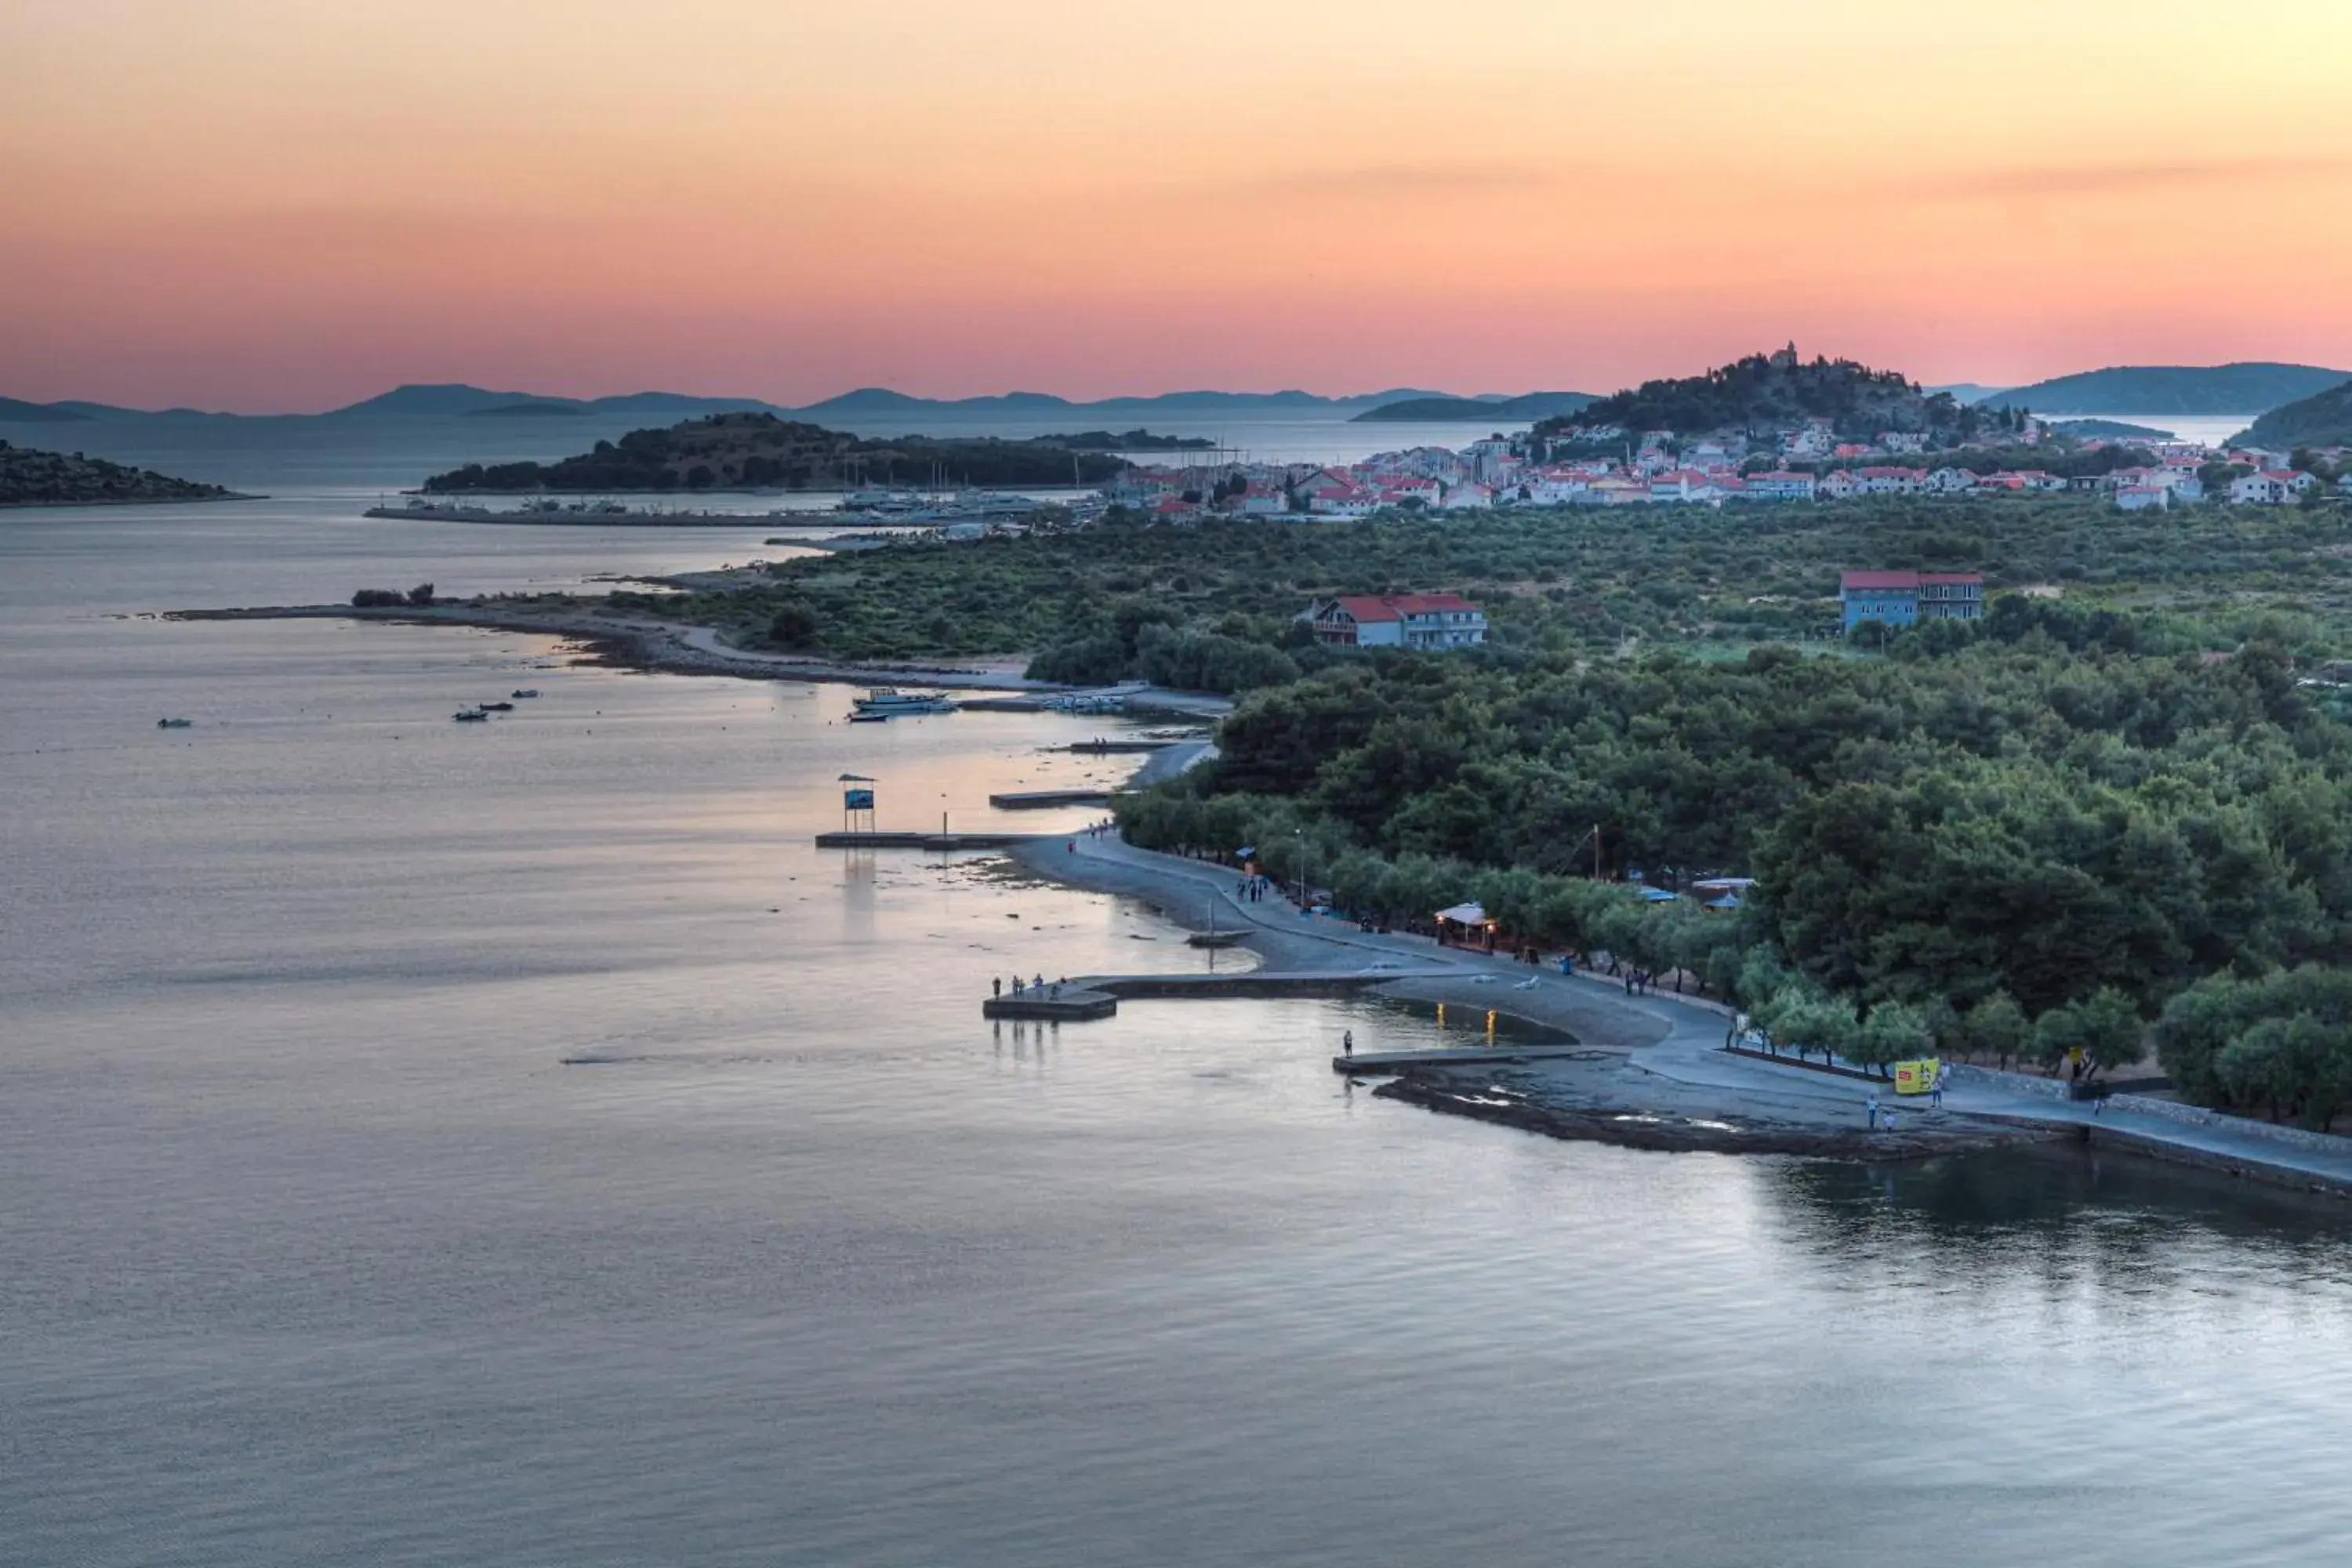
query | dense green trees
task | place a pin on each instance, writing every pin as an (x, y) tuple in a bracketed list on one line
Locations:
[(2018, 840), (2279, 1043)]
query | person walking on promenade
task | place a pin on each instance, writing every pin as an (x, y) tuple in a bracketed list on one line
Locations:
[(1347, 1044), (1870, 1107)]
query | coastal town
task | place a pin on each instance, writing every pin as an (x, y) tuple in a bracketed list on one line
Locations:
[(1611, 466)]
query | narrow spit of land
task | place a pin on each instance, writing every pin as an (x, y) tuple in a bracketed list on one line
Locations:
[(640, 642), (1651, 1072)]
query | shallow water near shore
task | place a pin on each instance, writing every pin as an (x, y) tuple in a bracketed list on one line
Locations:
[(314, 1248)]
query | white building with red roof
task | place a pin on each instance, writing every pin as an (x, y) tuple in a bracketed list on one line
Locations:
[(1433, 620), (1780, 484)]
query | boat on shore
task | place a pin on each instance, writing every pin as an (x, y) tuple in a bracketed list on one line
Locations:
[(888, 701)]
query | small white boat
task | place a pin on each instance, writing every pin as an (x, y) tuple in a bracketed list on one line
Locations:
[(888, 701)]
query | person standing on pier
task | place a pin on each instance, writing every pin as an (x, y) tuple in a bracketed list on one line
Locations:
[(996, 985), (1347, 1044)]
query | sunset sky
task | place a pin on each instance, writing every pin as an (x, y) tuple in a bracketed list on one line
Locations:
[(284, 205)]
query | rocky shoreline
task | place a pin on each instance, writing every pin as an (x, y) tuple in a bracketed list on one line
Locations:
[(1547, 1100)]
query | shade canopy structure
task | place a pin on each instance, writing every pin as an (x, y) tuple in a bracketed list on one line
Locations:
[(1465, 914)]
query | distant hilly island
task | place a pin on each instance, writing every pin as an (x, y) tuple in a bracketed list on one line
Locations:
[(2244, 388)]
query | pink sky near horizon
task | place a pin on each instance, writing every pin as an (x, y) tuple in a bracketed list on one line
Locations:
[(274, 205)]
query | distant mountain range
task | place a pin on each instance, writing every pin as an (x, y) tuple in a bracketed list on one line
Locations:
[(458, 400), (2245, 388)]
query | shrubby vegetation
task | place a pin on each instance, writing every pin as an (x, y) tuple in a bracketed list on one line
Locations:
[(391, 598), (1601, 580)]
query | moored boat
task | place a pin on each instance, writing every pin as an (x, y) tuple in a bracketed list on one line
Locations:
[(888, 701)]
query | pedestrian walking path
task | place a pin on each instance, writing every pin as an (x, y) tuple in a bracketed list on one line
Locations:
[(1677, 1039)]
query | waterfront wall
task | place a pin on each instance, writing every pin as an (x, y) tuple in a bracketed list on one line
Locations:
[(2310, 1142), (2301, 1137)]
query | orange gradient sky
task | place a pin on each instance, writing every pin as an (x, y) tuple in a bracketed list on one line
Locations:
[(274, 205)]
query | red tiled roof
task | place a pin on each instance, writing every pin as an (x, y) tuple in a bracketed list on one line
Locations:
[(1904, 579), (1363, 607)]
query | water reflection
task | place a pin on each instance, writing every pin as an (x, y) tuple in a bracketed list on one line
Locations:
[(2054, 1216)]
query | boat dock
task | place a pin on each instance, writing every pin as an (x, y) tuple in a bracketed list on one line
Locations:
[(1038, 799)]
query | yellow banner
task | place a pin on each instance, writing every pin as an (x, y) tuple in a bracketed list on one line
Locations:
[(1917, 1077)]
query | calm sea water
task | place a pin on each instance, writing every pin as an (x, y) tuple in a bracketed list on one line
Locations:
[(515, 1144)]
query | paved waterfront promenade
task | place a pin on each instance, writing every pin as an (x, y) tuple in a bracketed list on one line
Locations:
[(1674, 1038)]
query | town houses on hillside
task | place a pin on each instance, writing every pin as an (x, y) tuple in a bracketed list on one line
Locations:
[(1656, 467)]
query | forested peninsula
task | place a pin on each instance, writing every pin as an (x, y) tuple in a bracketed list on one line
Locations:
[(2115, 815), (761, 451), (32, 478)]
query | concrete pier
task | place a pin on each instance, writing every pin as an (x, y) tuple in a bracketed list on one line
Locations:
[(1038, 799), (1069, 1004), (1099, 995), (889, 840)]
